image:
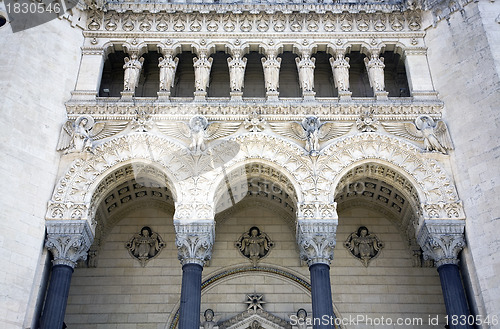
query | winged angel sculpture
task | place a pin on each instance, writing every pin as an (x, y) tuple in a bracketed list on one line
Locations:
[(199, 131), (435, 135), (312, 131), (78, 136)]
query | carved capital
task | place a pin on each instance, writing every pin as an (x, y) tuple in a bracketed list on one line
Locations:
[(317, 211), (194, 241), (442, 240), (316, 240), (68, 241)]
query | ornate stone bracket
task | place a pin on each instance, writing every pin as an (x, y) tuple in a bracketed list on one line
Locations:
[(68, 240), (442, 240), (194, 241), (316, 240)]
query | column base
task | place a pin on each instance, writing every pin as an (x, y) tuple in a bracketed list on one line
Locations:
[(200, 96), (272, 96), (127, 96), (345, 96), (236, 96), (382, 95), (309, 96), (163, 95)]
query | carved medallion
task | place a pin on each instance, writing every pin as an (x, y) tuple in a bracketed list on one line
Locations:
[(145, 245), (254, 244), (363, 245)]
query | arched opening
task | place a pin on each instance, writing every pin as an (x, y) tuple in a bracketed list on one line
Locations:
[(184, 76), (254, 85), (323, 77), (384, 261), (358, 76), (219, 76), (396, 80), (112, 75), (289, 76)]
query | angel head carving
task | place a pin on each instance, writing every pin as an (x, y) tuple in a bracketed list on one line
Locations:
[(312, 131), (78, 136), (199, 130), (434, 135)]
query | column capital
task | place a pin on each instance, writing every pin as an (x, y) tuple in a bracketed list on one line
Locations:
[(194, 241), (317, 211), (68, 241), (317, 240), (442, 240)]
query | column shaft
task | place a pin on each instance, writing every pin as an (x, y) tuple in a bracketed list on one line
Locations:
[(321, 296), (189, 314), (454, 296), (57, 297)]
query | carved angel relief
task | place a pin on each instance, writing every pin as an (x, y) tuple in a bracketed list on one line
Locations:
[(254, 244), (199, 131), (145, 245), (78, 136), (312, 131), (363, 245), (435, 135)]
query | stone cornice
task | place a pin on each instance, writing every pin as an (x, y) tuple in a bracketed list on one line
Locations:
[(394, 109)]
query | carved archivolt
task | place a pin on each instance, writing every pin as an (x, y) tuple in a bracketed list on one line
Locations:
[(194, 178)]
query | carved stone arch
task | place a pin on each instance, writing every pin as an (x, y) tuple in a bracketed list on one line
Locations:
[(74, 191), (141, 48), (361, 46), (198, 47), (397, 46), (279, 154), (426, 174)]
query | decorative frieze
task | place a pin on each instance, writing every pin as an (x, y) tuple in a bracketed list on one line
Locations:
[(442, 240), (194, 241), (317, 211), (316, 240), (68, 241), (442, 210)]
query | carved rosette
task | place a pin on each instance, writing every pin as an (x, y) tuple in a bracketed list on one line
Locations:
[(194, 241), (442, 240), (316, 240), (68, 241)]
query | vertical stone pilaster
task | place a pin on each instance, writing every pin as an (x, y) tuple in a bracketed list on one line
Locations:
[(419, 75), (442, 240), (89, 74), (68, 241)]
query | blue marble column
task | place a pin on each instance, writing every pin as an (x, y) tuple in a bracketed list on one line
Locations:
[(316, 240), (454, 296), (321, 293), (189, 313), (68, 241), (57, 297), (194, 243)]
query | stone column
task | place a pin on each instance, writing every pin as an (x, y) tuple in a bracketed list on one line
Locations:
[(375, 68), (419, 74), (89, 74), (316, 237), (441, 241), (340, 68), (305, 68), (194, 242), (271, 66), (68, 241), (202, 68)]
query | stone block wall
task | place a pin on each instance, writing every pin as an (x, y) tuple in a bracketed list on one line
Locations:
[(119, 293), (39, 68), (464, 60)]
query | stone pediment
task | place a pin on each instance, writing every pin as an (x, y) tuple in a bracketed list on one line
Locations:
[(248, 318)]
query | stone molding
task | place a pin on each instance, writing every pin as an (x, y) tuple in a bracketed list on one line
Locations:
[(316, 240), (194, 241), (442, 240), (68, 241)]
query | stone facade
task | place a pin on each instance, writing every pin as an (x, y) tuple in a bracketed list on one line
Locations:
[(199, 121)]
